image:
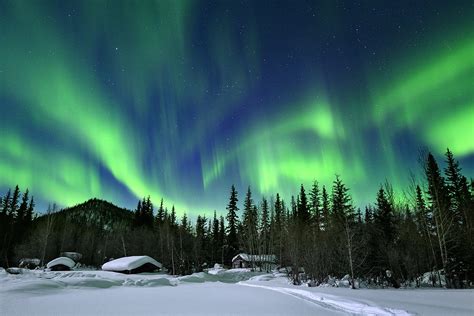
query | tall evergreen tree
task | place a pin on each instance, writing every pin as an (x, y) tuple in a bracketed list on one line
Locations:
[(278, 229), (325, 210), (232, 242), (265, 227), (222, 238), (138, 212), (384, 217), (21, 212), (6, 203), (199, 244), (215, 255), (160, 214), (148, 213), (315, 206), (341, 203), (303, 210), (368, 216), (14, 201), (439, 200), (30, 211), (249, 231)]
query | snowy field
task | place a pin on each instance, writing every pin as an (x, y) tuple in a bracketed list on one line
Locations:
[(219, 292)]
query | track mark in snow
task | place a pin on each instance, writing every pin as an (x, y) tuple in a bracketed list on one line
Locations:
[(333, 302)]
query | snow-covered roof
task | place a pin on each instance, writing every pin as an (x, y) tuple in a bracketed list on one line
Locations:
[(61, 260), (30, 260), (129, 263), (255, 258)]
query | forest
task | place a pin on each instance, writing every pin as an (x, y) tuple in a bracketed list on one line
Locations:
[(318, 231)]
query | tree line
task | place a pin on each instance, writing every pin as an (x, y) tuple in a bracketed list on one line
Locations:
[(318, 231), (16, 217)]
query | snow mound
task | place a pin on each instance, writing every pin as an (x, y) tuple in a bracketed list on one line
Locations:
[(220, 275), (216, 269), (199, 277), (130, 264), (15, 270), (433, 278), (61, 261)]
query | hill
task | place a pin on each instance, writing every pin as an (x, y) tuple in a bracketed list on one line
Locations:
[(95, 228)]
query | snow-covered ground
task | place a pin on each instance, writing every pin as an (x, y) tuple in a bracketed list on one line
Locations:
[(217, 292)]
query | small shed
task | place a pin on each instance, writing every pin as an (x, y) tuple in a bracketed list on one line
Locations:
[(243, 260), (61, 264), (29, 263), (132, 265)]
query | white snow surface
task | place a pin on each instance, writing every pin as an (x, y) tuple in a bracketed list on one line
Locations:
[(129, 263), (68, 262), (215, 292)]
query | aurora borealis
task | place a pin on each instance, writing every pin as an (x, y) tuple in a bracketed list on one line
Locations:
[(181, 99)]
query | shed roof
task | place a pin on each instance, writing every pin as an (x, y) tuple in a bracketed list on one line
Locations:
[(255, 258)]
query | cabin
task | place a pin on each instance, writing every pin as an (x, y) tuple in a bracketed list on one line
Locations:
[(61, 264), (262, 262), (132, 265)]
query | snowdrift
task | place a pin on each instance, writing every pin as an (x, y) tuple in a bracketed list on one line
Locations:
[(132, 265), (61, 264)]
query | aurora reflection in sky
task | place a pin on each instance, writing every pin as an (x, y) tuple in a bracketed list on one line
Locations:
[(182, 99)]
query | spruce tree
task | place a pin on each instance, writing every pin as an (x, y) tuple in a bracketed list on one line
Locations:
[(215, 238), (341, 203), (425, 225), (249, 225), (14, 201), (148, 213), (138, 212), (453, 186), (232, 241), (199, 244), (368, 215), (278, 213), (160, 215), (315, 206), (21, 212), (278, 230), (6, 203), (247, 217), (222, 238), (30, 211), (439, 199), (173, 216), (325, 210), (384, 217), (303, 210), (265, 226)]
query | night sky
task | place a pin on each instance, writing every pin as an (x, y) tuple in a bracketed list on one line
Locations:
[(180, 100)]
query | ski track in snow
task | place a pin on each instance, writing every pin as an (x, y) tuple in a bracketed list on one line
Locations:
[(332, 302)]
